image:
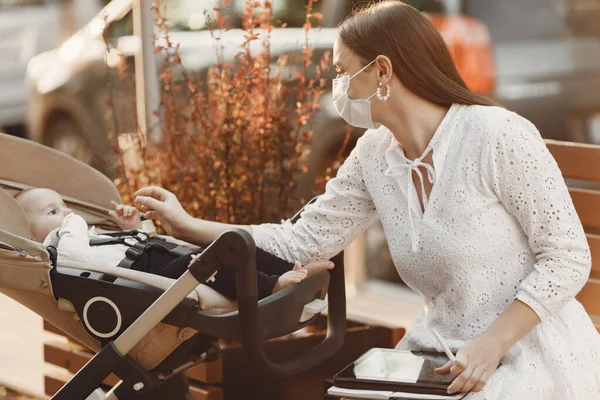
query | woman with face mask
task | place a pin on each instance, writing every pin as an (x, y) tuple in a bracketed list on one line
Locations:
[(475, 210)]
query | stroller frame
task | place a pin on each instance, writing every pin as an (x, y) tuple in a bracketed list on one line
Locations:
[(114, 312), (249, 324)]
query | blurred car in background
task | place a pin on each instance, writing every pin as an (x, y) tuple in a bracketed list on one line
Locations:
[(68, 86), (547, 58), (27, 28), (540, 58)]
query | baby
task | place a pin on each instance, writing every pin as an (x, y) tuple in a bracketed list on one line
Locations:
[(48, 215)]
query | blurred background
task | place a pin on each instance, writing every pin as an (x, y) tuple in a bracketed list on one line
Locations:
[(540, 58)]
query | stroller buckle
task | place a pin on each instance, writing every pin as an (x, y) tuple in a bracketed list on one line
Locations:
[(133, 253)]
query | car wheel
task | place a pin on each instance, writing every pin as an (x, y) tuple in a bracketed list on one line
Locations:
[(65, 135)]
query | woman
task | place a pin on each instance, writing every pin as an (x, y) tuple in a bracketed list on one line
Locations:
[(474, 207)]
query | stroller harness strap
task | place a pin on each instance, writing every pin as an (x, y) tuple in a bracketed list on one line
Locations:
[(143, 244), (139, 244)]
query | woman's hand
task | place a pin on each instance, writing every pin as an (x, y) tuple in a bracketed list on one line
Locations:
[(475, 363), (127, 217), (162, 205)]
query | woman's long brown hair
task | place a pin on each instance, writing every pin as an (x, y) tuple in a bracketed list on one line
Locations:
[(419, 55)]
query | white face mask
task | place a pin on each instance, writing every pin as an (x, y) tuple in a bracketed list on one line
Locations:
[(355, 112)]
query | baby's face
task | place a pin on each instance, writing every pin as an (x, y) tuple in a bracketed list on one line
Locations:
[(45, 211)]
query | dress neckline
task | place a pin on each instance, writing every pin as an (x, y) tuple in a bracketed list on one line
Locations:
[(402, 168)]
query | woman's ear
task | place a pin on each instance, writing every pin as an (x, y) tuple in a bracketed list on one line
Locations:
[(384, 69)]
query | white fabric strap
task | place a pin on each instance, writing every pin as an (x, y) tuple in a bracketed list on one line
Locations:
[(414, 166)]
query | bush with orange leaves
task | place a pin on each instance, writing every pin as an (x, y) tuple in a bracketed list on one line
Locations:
[(233, 141)]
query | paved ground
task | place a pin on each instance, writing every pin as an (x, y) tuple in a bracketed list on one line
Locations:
[(21, 349), (7, 394)]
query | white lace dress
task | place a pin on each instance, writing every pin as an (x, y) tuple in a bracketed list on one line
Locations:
[(499, 225)]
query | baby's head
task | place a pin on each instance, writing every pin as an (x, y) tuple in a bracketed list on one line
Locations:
[(45, 211)]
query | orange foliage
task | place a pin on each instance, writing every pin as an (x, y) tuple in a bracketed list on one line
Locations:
[(233, 142)]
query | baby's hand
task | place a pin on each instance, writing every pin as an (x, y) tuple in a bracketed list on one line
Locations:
[(127, 217)]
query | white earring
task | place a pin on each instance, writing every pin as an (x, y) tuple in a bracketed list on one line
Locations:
[(388, 90)]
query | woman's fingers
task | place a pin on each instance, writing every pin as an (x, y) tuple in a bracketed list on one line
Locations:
[(154, 192), (461, 380), (482, 381), (444, 369), (473, 379), (462, 360), (150, 203), (114, 204), (151, 215)]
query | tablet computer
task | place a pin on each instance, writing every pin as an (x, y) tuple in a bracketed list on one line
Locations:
[(396, 370)]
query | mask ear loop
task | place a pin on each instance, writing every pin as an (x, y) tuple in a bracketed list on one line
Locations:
[(363, 68)]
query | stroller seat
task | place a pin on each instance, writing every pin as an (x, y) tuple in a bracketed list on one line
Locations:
[(147, 329)]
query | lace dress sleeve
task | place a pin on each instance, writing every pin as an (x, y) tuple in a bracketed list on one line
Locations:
[(327, 226), (527, 180)]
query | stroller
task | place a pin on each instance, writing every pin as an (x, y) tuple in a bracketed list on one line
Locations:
[(147, 329)]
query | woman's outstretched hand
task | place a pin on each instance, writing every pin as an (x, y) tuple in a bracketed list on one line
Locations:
[(160, 204), (475, 363)]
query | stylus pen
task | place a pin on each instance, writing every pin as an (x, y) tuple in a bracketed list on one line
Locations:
[(444, 346)]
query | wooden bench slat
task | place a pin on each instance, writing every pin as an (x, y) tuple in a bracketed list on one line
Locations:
[(206, 393), (71, 357), (54, 380), (576, 160), (587, 204), (596, 321), (594, 242), (51, 328), (211, 372), (590, 296)]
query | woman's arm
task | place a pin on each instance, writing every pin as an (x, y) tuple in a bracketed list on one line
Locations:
[(159, 203), (528, 182), (332, 222), (478, 360), (325, 229), (524, 176), (202, 233)]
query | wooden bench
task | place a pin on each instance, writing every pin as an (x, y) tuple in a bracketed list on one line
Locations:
[(230, 376), (72, 356), (580, 166)]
